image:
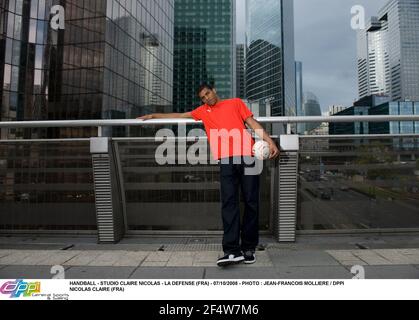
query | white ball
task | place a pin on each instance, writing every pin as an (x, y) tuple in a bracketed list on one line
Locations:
[(261, 150)]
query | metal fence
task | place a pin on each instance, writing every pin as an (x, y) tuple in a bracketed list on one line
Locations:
[(113, 186)]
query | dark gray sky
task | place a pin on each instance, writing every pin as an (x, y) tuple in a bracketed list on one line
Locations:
[(326, 44)]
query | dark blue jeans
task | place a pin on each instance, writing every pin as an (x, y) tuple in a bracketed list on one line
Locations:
[(233, 179)]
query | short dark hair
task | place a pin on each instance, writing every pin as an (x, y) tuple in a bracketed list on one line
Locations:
[(204, 86)]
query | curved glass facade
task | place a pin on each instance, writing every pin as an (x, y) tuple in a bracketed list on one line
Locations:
[(388, 51), (113, 59), (270, 74), (204, 50)]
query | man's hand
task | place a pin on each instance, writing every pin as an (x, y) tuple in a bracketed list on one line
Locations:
[(274, 151), (146, 117)]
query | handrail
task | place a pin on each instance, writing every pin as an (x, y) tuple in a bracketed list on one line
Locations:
[(119, 123)]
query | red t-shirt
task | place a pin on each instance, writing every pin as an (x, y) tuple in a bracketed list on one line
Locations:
[(225, 127)]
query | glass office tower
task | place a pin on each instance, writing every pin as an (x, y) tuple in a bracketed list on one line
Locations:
[(299, 96), (113, 59), (240, 71), (311, 108), (270, 74), (204, 50), (388, 52)]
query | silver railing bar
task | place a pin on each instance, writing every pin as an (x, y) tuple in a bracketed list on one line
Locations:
[(114, 123), (46, 140), (194, 139), (366, 136)]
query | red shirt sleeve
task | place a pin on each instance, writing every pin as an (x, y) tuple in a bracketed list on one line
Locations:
[(245, 113), (197, 113)]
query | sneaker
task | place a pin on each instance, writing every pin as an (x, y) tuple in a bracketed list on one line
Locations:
[(249, 257), (230, 259)]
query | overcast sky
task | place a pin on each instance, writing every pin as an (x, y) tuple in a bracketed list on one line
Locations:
[(326, 44)]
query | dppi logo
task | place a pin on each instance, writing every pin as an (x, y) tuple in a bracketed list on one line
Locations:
[(19, 287)]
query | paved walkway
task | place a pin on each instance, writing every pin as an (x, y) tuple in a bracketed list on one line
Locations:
[(311, 257)]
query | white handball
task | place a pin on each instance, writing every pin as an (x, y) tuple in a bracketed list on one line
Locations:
[(261, 150)]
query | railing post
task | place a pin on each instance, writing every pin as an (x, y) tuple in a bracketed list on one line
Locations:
[(285, 189), (109, 213)]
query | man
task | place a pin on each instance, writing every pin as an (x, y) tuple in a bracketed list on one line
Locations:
[(231, 115)]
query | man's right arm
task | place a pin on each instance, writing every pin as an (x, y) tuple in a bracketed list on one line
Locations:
[(186, 115)]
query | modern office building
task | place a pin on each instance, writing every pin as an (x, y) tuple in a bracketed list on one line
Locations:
[(299, 96), (353, 127), (372, 101), (258, 108), (112, 59), (240, 71), (388, 52), (335, 109), (270, 62), (395, 127), (311, 107), (205, 50), (361, 107)]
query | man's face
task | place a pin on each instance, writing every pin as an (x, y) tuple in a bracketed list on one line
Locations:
[(208, 97)]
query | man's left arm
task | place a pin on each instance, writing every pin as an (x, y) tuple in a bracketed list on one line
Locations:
[(257, 127)]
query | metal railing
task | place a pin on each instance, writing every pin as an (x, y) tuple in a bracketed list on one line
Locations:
[(111, 168), (268, 120)]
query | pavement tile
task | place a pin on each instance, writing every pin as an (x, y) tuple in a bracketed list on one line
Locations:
[(314, 272), (371, 257), (411, 255), (84, 258), (4, 253), (26, 272), (204, 264), (34, 258), (48, 258), (353, 262), (181, 259), (301, 258), (342, 254), (168, 273), (391, 272), (240, 272), (394, 256), (131, 259), (15, 257), (159, 257), (153, 264), (207, 256), (87, 272), (107, 259), (60, 258), (409, 252), (346, 258)]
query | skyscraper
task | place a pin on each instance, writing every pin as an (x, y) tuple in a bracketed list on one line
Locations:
[(299, 96), (311, 107), (205, 50), (113, 59), (240, 71), (333, 110), (388, 52), (270, 66)]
